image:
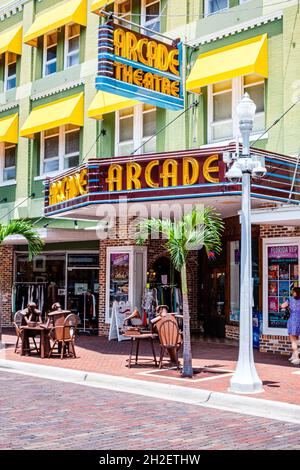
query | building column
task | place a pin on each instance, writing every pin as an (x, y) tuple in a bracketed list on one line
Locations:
[(6, 280)]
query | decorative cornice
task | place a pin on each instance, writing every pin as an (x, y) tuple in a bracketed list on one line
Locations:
[(11, 8), (56, 90), (238, 28), (7, 107)]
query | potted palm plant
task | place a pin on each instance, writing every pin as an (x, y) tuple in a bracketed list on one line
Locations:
[(24, 229), (200, 228)]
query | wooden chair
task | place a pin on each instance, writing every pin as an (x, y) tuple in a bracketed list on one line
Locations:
[(169, 338), (18, 323), (63, 335), (18, 318)]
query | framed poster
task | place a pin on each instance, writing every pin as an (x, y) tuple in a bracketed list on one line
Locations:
[(281, 261)]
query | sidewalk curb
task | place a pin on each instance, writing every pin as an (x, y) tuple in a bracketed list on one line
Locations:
[(228, 402)]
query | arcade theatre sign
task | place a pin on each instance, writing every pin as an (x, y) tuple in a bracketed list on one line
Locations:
[(139, 67), (152, 174)]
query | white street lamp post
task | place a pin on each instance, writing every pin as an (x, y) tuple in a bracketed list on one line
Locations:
[(245, 378)]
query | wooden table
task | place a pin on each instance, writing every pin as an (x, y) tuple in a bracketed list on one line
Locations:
[(29, 331), (137, 338)]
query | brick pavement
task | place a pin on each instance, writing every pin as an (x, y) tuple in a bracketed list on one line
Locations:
[(43, 414), (97, 354)]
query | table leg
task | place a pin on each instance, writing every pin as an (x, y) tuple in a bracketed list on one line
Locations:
[(25, 343), (137, 350), (42, 345), (130, 355), (153, 351)]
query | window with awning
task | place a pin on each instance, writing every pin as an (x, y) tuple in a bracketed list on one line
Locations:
[(11, 41), (68, 110), (8, 148), (105, 103), (238, 59), (72, 11)]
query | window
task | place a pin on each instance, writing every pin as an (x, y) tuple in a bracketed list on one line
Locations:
[(254, 85), (72, 45), (221, 125), (223, 98), (134, 126), (50, 53), (10, 71), (8, 163), (150, 15), (60, 148), (123, 8), (213, 6)]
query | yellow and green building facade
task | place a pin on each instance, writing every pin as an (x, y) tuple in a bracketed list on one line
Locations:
[(53, 121)]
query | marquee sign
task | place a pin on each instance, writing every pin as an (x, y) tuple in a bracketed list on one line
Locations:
[(139, 67), (183, 175), (131, 176)]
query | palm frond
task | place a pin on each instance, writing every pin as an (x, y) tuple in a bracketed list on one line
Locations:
[(26, 230)]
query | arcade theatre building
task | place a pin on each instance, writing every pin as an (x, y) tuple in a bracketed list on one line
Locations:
[(102, 117)]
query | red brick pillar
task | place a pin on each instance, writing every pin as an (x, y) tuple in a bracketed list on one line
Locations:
[(6, 281)]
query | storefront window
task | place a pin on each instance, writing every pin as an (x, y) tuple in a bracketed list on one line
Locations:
[(282, 277), (70, 279)]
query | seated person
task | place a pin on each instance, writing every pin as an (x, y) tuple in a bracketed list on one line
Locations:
[(55, 309), (31, 314)]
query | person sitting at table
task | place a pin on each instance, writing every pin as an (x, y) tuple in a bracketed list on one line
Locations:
[(55, 309), (31, 314)]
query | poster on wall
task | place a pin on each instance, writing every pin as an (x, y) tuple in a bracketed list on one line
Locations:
[(282, 277)]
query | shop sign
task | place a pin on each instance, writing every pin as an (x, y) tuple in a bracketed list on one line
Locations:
[(167, 174), (151, 174), (139, 67), (69, 187)]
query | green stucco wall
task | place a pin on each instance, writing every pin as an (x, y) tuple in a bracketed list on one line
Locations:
[(180, 19)]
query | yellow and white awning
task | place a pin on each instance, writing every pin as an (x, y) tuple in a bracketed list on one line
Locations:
[(68, 110), (72, 11), (241, 58), (104, 103), (98, 5), (9, 129), (11, 40)]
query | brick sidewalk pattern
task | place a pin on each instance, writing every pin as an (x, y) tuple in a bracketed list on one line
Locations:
[(97, 354), (42, 414)]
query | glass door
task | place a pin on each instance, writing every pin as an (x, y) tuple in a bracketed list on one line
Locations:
[(83, 289)]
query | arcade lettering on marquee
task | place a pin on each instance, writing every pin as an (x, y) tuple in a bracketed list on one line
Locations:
[(167, 178), (155, 174), (69, 187)]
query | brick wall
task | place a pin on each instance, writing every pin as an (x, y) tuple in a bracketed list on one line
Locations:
[(232, 332), (275, 344), (155, 250), (6, 280)]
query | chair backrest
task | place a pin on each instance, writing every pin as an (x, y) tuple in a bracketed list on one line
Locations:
[(18, 319), (59, 325), (168, 332), (70, 326)]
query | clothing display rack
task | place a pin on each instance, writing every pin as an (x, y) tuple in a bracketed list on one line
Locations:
[(89, 306), (161, 294), (25, 292)]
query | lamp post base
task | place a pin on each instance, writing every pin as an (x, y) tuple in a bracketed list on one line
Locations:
[(245, 386)]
